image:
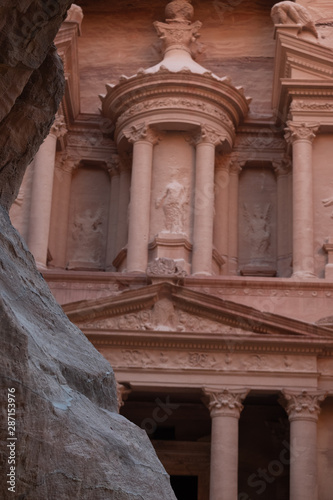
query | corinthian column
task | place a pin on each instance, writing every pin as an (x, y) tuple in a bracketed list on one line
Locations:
[(60, 209), (205, 142), (301, 136), (143, 138), (41, 195), (303, 409), (225, 407)]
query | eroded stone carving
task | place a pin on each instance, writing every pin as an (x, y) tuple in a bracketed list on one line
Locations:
[(177, 31), (258, 228), (208, 135), (165, 267), (88, 236), (292, 13), (173, 202)]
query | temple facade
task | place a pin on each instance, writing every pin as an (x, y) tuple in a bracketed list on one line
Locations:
[(181, 212)]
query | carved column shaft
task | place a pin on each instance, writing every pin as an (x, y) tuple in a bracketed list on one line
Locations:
[(221, 220), (303, 409), (284, 230), (235, 170), (111, 252), (225, 408), (41, 195), (124, 198), (202, 253), (60, 211), (143, 140), (301, 135)]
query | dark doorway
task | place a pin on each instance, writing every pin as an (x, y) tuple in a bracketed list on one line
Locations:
[(185, 487)]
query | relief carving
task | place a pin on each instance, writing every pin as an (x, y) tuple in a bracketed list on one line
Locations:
[(291, 13), (258, 229), (173, 202), (165, 267), (178, 103), (141, 132), (88, 236)]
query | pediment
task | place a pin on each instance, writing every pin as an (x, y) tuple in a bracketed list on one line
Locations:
[(175, 309), (303, 61)]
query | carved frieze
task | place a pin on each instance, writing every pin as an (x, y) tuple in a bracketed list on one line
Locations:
[(297, 105), (201, 360), (176, 103)]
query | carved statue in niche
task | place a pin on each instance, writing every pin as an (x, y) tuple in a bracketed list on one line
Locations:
[(293, 13), (173, 201), (258, 229), (88, 235)]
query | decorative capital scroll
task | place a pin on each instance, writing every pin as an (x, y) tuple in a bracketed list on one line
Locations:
[(226, 402), (123, 390), (207, 135), (282, 167), (304, 405), (300, 131), (67, 162), (113, 165), (58, 128), (141, 132)]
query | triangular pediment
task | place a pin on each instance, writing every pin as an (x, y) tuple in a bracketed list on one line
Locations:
[(173, 309)]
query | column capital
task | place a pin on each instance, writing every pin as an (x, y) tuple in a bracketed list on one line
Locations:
[(123, 391), (225, 402), (141, 132), (303, 405), (67, 163), (58, 128), (283, 166), (298, 131), (207, 135), (113, 165)]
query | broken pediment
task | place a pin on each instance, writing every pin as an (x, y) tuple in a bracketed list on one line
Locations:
[(166, 307), (302, 63)]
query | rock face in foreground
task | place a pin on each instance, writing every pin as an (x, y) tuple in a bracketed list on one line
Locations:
[(71, 443), (68, 441)]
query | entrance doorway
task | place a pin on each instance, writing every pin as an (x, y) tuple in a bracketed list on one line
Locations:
[(185, 487)]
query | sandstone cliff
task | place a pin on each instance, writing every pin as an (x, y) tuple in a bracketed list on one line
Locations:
[(70, 442)]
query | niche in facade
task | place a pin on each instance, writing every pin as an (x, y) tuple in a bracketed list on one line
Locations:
[(88, 221), (257, 222)]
